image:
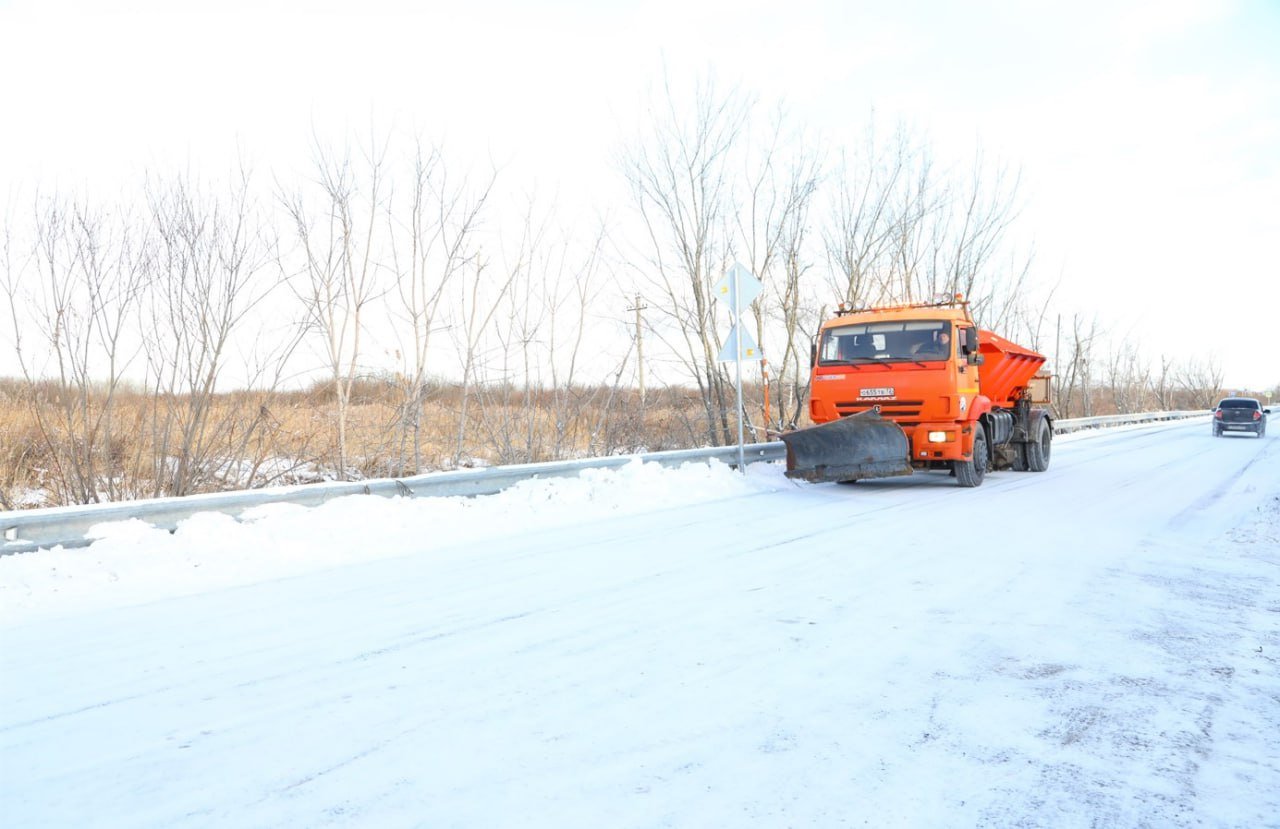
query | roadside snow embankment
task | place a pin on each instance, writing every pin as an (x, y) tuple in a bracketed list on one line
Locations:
[(131, 562)]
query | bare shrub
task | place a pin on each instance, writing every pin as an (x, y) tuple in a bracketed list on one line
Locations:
[(76, 287)]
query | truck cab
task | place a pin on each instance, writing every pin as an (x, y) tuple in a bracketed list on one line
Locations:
[(914, 364)]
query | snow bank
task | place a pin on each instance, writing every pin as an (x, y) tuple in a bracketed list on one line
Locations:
[(132, 562)]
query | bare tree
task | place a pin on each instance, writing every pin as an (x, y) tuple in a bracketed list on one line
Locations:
[(478, 302), (915, 235), (979, 216), (209, 270), (773, 226), (341, 274), (1163, 384), (1021, 307), (533, 411), (903, 231), (679, 172), (1128, 379), (1201, 381), (859, 237), (430, 247), (799, 317), (572, 285), (508, 407), (1073, 358), (80, 282)]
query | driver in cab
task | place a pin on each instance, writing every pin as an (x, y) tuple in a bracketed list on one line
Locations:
[(938, 347)]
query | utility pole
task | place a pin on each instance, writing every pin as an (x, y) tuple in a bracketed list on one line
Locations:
[(639, 344)]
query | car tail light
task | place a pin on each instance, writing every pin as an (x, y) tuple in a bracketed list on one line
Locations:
[(1218, 414), (1257, 415)]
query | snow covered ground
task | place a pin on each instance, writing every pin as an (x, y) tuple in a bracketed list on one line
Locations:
[(1097, 645)]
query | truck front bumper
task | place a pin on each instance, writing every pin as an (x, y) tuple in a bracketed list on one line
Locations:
[(946, 441)]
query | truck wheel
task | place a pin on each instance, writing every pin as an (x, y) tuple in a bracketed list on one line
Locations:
[(971, 472), (1038, 449)]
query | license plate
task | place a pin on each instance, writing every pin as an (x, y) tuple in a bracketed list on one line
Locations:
[(876, 392)]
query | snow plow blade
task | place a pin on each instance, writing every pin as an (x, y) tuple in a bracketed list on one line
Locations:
[(849, 449)]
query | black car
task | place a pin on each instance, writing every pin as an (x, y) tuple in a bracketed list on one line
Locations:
[(1239, 414)]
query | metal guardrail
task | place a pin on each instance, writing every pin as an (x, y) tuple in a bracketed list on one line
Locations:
[(1076, 424), (30, 530)]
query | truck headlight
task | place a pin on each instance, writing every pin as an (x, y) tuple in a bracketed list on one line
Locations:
[(940, 437)]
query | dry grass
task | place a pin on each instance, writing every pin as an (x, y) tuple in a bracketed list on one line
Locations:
[(58, 446), (61, 446)]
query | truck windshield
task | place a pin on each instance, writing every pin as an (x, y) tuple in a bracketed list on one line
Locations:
[(911, 340)]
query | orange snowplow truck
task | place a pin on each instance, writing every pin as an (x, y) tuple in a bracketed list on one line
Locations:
[(920, 387)]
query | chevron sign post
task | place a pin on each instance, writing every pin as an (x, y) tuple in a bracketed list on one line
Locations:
[(738, 288)]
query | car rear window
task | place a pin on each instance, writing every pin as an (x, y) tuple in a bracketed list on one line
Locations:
[(1238, 404)]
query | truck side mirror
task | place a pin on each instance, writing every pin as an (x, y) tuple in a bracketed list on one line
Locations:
[(969, 346), (813, 353)]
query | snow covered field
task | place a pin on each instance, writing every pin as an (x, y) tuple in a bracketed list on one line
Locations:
[(1097, 645)]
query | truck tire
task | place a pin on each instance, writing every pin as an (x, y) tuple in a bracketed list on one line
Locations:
[(971, 472), (1038, 448)]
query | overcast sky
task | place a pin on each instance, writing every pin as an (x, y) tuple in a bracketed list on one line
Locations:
[(1147, 133)]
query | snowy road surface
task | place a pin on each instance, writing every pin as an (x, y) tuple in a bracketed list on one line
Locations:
[(1097, 645)]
